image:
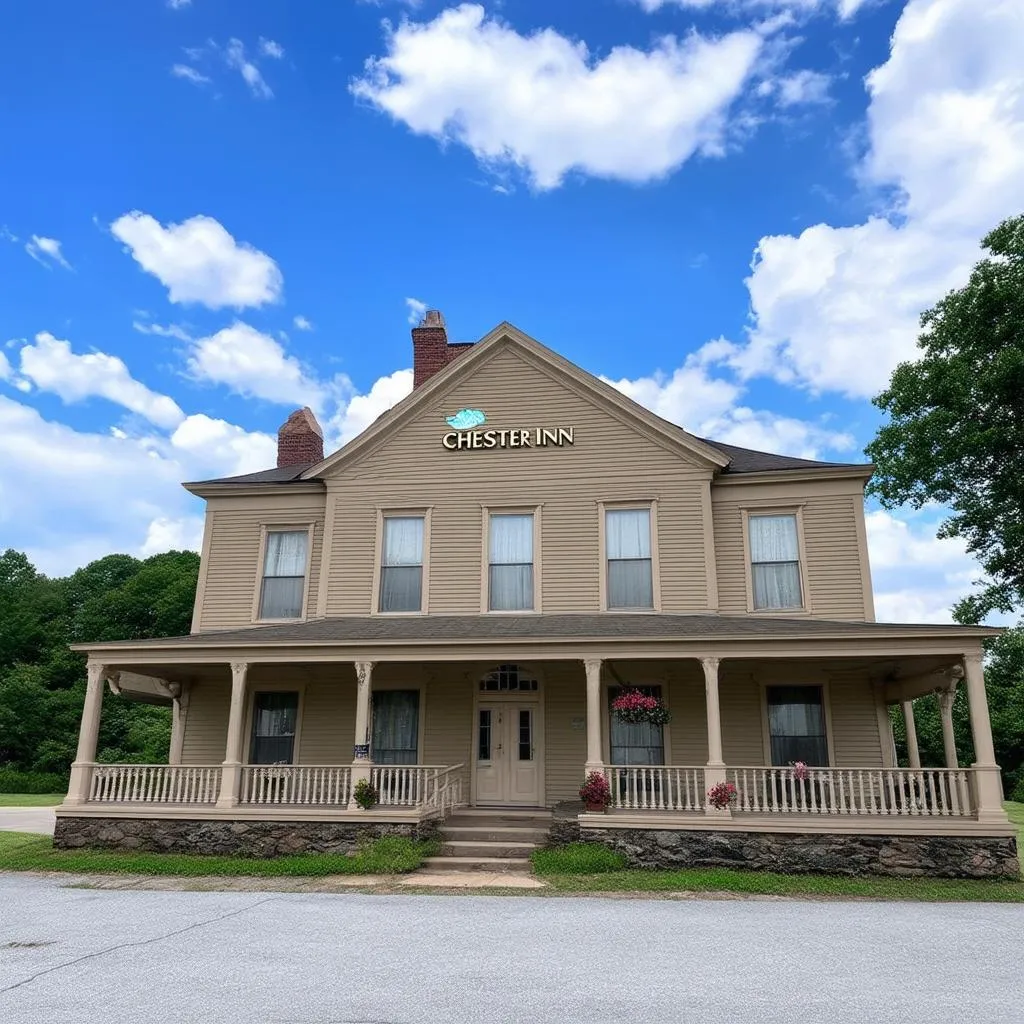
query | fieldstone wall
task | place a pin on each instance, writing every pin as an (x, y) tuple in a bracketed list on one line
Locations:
[(826, 853), (239, 838)]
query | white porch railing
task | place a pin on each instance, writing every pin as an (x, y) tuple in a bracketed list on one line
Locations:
[(411, 785), (656, 788), (444, 791), (905, 792), (321, 785), (154, 783)]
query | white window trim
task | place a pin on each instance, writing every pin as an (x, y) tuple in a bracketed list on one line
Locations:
[(604, 507), (266, 528), (399, 684), (606, 713), (250, 710), (485, 557), (796, 510), (826, 700), (397, 512)]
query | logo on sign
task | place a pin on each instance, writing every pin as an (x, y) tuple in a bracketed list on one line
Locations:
[(466, 419)]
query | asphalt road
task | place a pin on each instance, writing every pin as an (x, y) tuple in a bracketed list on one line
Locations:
[(121, 957)]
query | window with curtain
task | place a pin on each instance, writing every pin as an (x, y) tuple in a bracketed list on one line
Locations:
[(401, 574), (796, 725), (628, 542), (511, 563), (274, 716), (634, 743), (396, 727), (284, 574), (775, 561)]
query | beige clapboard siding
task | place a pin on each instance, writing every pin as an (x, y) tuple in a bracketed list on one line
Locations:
[(836, 582), (233, 572), (448, 725), (565, 686), (206, 724), (610, 461)]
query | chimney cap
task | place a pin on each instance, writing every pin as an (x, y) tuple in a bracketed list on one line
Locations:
[(432, 318), (301, 421)]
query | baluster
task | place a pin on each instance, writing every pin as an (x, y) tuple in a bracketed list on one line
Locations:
[(891, 805), (815, 809)]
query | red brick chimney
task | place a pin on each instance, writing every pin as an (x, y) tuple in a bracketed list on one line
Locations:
[(300, 439), (431, 351)]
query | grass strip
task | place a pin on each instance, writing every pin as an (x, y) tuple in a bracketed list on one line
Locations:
[(31, 799), (391, 855)]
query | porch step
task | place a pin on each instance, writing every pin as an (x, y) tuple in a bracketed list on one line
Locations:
[(496, 865), (487, 850), (483, 818), (476, 833)]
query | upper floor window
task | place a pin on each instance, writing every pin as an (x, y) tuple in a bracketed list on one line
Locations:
[(775, 561), (401, 575), (628, 544), (284, 574), (510, 567)]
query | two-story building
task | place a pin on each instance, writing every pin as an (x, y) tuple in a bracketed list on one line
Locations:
[(448, 604)]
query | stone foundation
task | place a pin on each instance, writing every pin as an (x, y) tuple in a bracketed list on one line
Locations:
[(239, 838), (807, 853)]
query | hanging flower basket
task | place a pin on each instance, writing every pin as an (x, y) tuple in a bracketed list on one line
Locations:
[(635, 707), (800, 771)]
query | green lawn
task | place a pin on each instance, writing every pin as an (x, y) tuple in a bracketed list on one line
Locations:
[(1016, 813), (24, 851), (31, 799)]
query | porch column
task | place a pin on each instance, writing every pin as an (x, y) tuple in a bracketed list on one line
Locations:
[(714, 772), (945, 699), (88, 735), (595, 761), (988, 786), (361, 743), (179, 713), (231, 769), (913, 752)]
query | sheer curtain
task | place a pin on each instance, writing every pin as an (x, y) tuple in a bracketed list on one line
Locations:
[(796, 723), (628, 540), (396, 722), (273, 727), (284, 574), (511, 563), (635, 742), (775, 562), (401, 577)]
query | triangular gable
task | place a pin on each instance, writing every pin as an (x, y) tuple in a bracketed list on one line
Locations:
[(579, 381)]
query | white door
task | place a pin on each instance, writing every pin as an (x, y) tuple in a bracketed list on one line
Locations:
[(507, 753)]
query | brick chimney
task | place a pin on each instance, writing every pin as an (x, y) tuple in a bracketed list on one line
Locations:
[(300, 439), (431, 351)]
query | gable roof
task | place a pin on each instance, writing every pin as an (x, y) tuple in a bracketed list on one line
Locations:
[(726, 459)]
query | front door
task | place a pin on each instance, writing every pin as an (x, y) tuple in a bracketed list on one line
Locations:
[(507, 769)]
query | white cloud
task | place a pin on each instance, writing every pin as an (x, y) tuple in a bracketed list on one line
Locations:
[(217, 447), (46, 251), (844, 8), (6, 234), (254, 364), (199, 261), (170, 331), (177, 5), (544, 104), (416, 308), (235, 58), (270, 48), (190, 74), (5, 368), (51, 366), (302, 324), (800, 87), (837, 307), (164, 534), (361, 410)]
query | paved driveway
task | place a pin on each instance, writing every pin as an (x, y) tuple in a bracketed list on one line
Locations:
[(27, 819), (122, 957)]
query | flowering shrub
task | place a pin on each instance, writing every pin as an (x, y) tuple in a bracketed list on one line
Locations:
[(633, 706), (365, 795), (800, 771), (722, 795), (595, 792)]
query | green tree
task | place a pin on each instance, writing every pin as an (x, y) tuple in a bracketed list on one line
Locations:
[(955, 434)]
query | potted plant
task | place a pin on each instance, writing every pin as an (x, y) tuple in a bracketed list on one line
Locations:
[(595, 793), (633, 707), (800, 771), (365, 794), (722, 795)]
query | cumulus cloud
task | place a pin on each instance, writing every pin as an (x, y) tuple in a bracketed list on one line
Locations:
[(46, 251), (198, 260), (844, 8), (416, 308), (51, 366), (165, 534), (837, 307), (544, 104), (302, 324), (190, 74), (360, 411), (270, 48), (235, 58)]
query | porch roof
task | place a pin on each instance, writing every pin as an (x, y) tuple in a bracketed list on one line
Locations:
[(439, 630)]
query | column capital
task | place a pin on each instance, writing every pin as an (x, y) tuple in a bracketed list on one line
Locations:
[(710, 663), (364, 672), (239, 668), (973, 660), (946, 698), (96, 672), (591, 665)]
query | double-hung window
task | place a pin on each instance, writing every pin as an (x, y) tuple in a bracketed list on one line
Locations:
[(796, 725), (510, 568), (634, 742), (401, 574), (396, 726), (774, 561), (274, 717), (283, 590), (628, 548)]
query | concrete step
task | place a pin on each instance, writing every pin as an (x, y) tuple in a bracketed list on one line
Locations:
[(499, 819), (493, 834), (497, 865), (487, 850)]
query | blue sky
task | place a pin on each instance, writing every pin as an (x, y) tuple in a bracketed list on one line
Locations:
[(213, 212)]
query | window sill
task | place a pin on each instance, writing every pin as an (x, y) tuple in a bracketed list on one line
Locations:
[(780, 612), (277, 622)]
